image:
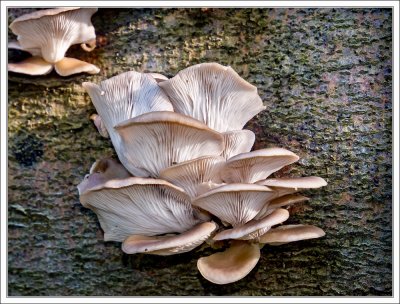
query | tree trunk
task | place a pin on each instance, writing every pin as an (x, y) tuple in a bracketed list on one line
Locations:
[(325, 77)]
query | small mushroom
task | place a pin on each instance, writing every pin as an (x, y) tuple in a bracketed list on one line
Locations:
[(157, 140), (280, 202), (190, 174), (230, 265), (49, 33), (291, 185), (236, 142), (168, 245), (291, 233), (254, 228), (256, 165), (134, 205), (235, 204), (215, 95)]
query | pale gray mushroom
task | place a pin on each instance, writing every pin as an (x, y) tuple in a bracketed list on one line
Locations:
[(169, 244), (293, 184), (291, 233), (230, 265), (189, 175), (157, 140), (215, 95), (122, 97), (137, 206), (49, 33), (236, 142), (256, 165), (254, 228), (235, 204)]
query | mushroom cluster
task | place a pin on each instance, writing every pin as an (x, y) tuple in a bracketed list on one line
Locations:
[(185, 174), (48, 34)]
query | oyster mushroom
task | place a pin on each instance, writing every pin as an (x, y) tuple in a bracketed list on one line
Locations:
[(293, 184), (235, 204), (230, 265), (168, 245), (215, 95), (157, 140), (189, 175), (256, 165), (291, 233), (236, 142), (137, 206), (120, 98), (48, 34)]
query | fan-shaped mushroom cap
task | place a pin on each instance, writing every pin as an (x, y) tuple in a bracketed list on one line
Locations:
[(69, 66), (190, 174), (254, 228), (256, 165), (168, 245), (31, 66), (54, 30), (125, 96), (134, 205), (236, 142), (215, 95), (280, 202), (157, 140), (291, 233), (235, 203), (309, 182), (230, 265)]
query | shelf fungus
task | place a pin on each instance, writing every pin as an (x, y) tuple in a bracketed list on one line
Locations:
[(186, 175), (48, 34)]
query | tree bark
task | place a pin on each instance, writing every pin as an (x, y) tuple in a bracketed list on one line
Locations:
[(324, 75)]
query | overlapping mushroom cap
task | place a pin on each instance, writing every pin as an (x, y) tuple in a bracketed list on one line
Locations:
[(48, 34), (215, 95)]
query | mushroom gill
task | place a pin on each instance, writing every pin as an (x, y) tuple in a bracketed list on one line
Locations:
[(49, 33)]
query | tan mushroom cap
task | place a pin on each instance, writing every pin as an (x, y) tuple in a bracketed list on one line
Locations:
[(230, 265), (168, 245), (142, 206), (235, 203), (291, 233), (158, 140), (69, 66), (280, 202), (256, 165), (31, 66), (215, 95), (254, 228), (236, 142), (190, 174), (53, 31), (309, 182)]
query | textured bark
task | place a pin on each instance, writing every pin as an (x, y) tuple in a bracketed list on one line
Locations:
[(325, 76)]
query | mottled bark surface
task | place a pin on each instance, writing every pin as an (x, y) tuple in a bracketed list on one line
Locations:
[(325, 77)]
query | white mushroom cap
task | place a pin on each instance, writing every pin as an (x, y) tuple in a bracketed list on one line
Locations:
[(256, 165), (230, 265), (236, 142), (31, 66), (125, 96), (190, 174), (69, 66), (168, 245), (235, 203), (158, 140), (53, 31), (136, 205), (280, 202), (254, 228), (215, 95), (291, 233)]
